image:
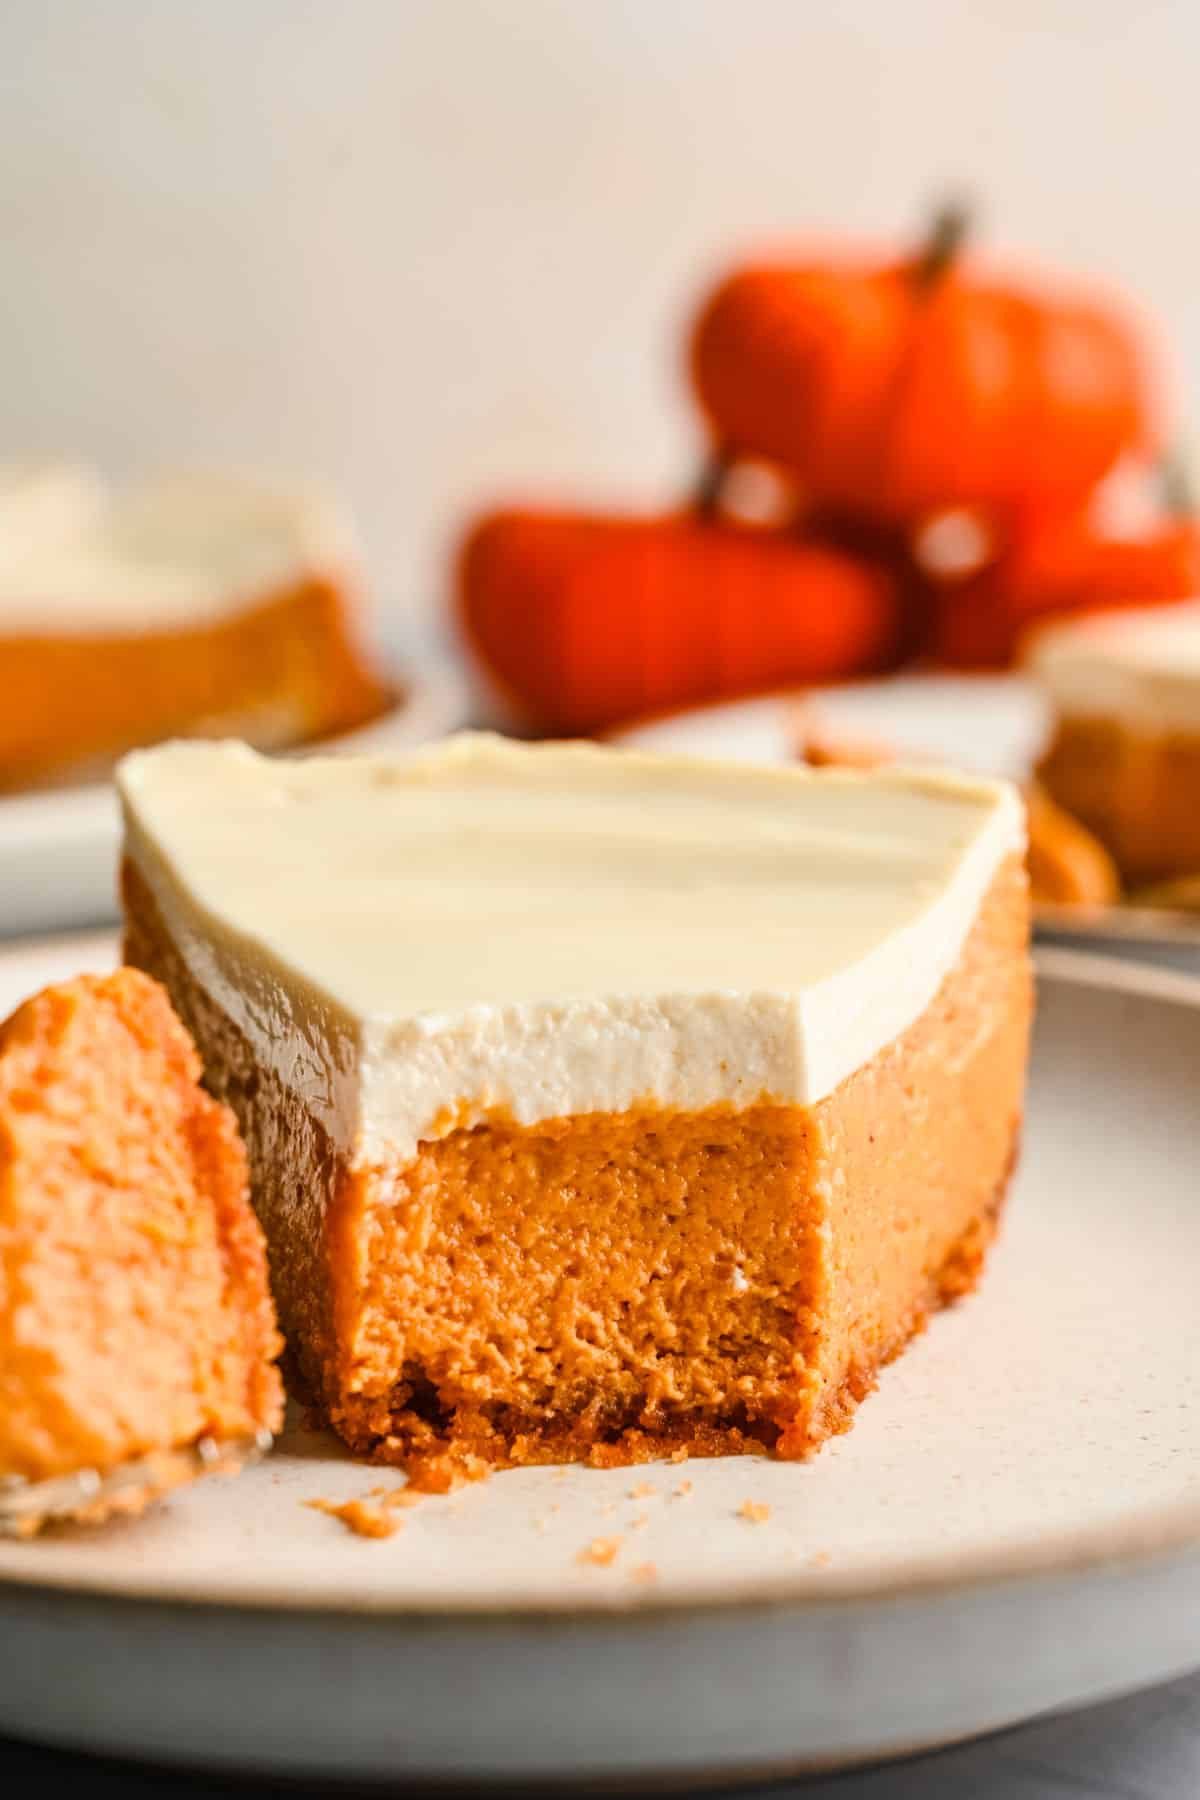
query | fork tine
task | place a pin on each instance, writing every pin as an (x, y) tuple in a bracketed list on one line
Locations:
[(89, 1494)]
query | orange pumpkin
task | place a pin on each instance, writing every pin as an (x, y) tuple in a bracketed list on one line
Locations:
[(1054, 569), (897, 389), (584, 620)]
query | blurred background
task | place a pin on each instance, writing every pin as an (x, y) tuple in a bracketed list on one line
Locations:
[(436, 250)]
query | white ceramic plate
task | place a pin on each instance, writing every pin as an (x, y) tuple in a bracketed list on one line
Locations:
[(1012, 1525), (988, 724), (58, 849)]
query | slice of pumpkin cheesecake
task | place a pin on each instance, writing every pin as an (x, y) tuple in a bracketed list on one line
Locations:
[(202, 604), (1124, 754), (598, 1104)]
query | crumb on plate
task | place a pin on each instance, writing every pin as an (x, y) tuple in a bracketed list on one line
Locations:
[(365, 1518), (601, 1552)]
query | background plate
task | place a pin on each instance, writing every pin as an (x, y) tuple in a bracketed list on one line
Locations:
[(58, 849), (987, 724), (1012, 1525)]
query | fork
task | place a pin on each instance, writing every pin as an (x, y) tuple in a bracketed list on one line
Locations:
[(87, 1495)]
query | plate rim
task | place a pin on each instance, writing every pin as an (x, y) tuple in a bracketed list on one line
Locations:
[(1170, 1531), (794, 693)]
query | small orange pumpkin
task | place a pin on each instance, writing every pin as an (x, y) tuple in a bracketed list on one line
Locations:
[(893, 390), (1056, 568), (584, 620)]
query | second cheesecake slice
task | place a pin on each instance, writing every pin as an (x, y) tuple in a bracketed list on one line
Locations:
[(597, 1104)]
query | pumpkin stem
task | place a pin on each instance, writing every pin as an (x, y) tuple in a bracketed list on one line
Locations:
[(947, 233), (1175, 482), (706, 495)]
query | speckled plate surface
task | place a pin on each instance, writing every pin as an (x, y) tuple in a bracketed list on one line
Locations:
[(1012, 1525)]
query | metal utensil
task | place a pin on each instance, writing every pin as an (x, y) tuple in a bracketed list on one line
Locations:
[(87, 1495)]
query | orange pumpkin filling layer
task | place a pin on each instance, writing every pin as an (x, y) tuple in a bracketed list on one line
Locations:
[(279, 671), (1135, 789)]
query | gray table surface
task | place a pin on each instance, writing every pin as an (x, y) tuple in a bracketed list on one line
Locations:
[(1145, 1747)]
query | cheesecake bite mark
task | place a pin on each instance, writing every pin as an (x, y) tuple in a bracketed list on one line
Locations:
[(561, 1287)]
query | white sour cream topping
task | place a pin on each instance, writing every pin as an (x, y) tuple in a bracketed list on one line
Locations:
[(184, 551), (561, 928)]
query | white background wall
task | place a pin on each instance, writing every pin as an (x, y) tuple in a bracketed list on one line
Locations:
[(436, 249)]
